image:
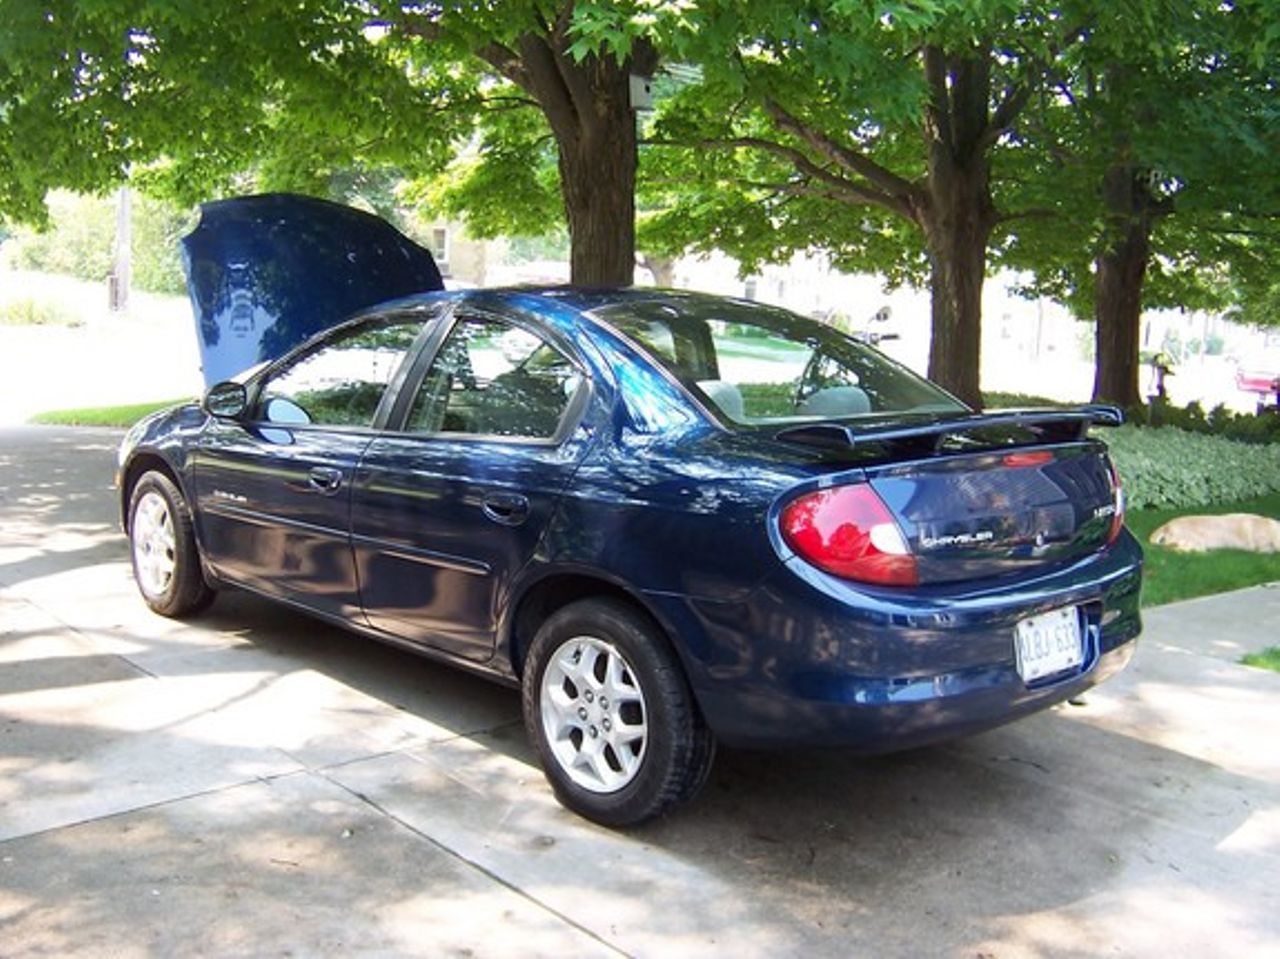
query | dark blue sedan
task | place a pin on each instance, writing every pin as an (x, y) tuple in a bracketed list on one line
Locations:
[(671, 519)]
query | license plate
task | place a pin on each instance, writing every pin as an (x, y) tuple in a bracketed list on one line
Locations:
[(1048, 643)]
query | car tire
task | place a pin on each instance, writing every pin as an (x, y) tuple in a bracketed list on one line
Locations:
[(610, 712), (162, 547)]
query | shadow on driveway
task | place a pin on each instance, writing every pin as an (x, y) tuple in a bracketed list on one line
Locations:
[(256, 781)]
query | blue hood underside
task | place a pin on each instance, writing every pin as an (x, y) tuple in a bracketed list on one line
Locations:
[(267, 272)]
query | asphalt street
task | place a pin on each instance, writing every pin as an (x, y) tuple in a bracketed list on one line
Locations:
[(256, 783)]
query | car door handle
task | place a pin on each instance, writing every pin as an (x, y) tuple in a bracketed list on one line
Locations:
[(325, 478), (509, 509)]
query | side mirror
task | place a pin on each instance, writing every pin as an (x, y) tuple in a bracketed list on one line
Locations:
[(226, 400)]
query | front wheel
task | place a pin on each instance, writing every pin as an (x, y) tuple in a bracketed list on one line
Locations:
[(166, 564), (614, 722)]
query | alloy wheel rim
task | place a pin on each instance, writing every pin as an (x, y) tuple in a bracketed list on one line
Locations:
[(594, 715), (154, 545)]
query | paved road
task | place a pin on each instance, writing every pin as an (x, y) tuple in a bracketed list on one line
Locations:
[(257, 783)]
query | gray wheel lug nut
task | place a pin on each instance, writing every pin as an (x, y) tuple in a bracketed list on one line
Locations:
[(588, 695), (582, 712), (594, 732)]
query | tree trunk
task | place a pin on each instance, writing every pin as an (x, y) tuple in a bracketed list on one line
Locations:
[(598, 182), (957, 267), (587, 103), (957, 215), (1118, 310), (661, 268), (1121, 272)]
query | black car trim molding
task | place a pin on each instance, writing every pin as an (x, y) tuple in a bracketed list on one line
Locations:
[(428, 556)]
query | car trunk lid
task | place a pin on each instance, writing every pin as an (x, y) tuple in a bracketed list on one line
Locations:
[(985, 495)]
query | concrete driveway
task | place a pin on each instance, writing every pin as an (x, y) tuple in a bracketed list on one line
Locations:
[(256, 783)]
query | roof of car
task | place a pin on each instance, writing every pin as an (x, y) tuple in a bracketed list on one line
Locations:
[(589, 299)]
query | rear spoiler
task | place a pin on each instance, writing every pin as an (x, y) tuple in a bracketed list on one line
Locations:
[(1047, 426)]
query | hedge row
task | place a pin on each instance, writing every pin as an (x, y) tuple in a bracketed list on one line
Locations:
[(1219, 421), (1171, 468)]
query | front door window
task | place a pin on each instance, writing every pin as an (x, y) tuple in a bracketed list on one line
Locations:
[(341, 382)]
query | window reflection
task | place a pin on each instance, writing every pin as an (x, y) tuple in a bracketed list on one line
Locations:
[(756, 364), (492, 378), (341, 382)]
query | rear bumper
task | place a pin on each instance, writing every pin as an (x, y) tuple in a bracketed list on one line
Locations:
[(809, 660)]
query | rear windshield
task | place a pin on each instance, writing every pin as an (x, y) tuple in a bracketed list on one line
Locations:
[(758, 364)]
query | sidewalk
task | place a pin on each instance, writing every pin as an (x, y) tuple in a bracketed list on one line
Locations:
[(258, 783)]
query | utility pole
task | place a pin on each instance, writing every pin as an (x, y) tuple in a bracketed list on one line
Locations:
[(1039, 325), (121, 272)]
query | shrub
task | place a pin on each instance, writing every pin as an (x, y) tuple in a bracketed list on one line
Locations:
[(992, 400), (80, 239), (1220, 421), (29, 312), (1175, 468)]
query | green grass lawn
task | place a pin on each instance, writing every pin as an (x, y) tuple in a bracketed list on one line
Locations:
[(1269, 658), (125, 415), (774, 350), (1172, 576)]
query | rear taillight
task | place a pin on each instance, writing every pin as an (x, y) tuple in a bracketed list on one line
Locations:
[(1117, 501), (849, 532), (1023, 460)]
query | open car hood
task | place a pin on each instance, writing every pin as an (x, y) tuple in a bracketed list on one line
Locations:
[(267, 272)]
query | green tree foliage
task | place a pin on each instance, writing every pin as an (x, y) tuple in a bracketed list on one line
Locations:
[(1148, 168), (78, 239), (191, 101), (506, 184), (188, 98), (1257, 301), (914, 138), (873, 133)]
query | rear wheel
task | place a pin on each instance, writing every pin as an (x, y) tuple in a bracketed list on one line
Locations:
[(608, 708), (166, 564)]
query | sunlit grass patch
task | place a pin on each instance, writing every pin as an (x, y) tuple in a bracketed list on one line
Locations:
[(125, 415), (1171, 575)]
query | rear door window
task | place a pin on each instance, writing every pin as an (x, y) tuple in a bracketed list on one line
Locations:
[(493, 378)]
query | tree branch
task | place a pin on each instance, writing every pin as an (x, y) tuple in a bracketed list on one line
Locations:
[(413, 25), (1062, 87), (499, 56), (854, 161), (1060, 154), (507, 103), (938, 108), (572, 74), (1161, 206), (849, 191), (547, 85), (804, 188), (506, 61), (970, 99), (1017, 96), (1241, 231), (1015, 100)]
